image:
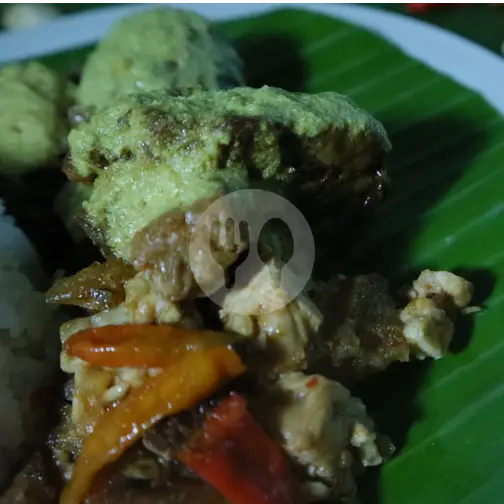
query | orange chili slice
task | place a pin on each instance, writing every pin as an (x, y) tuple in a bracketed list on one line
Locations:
[(140, 345)]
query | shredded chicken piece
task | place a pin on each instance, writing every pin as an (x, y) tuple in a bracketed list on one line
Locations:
[(435, 295), (427, 328), (281, 328), (433, 283), (324, 429)]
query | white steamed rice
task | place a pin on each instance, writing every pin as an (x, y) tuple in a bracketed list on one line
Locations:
[(28, 338)]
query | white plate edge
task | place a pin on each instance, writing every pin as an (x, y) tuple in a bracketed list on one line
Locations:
[(471, 65)]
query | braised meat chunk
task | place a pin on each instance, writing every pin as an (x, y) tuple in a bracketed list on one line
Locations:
[(188, 250), (362, 331)]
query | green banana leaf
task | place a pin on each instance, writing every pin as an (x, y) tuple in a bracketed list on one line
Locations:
[(445, 210)]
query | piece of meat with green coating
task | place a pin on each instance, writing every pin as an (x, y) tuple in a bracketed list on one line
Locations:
[(33, 125), (161, 49), (149, 154)]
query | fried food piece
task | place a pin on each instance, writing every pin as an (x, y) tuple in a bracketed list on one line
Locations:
[(152, 153), (161, 49), (33, 126), (98, 287)]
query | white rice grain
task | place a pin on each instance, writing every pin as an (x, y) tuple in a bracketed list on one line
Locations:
[(29, 342)]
